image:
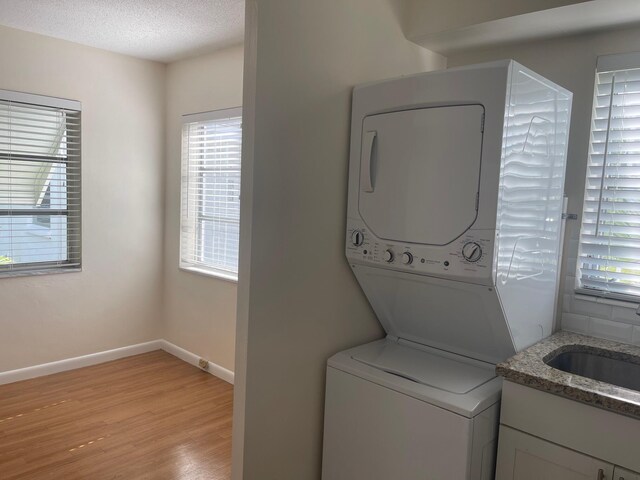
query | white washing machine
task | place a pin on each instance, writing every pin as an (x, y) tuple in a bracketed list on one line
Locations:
[(453, 232), (402, 411)]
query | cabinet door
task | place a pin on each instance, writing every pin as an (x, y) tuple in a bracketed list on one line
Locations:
[(622, 474), (524, 457)]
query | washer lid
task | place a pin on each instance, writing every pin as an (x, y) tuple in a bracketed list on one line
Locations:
[(438, 369), (420, 173), (441, 370)]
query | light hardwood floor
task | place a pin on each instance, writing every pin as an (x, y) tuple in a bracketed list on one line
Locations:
[(150, 416)]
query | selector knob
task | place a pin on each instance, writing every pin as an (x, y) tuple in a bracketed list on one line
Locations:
[(407, 258), (388, 256), (357, 238), (472, 252)]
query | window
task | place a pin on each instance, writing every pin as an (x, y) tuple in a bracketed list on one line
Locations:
[(39, 184), (609, 253), (210, 212)]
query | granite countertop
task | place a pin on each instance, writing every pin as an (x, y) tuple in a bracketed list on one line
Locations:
[(528, 368)]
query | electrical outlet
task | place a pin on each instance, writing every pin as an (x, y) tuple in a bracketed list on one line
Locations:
[(203, 364)]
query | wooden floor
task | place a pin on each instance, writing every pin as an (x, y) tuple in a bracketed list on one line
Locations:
[(151, 416)]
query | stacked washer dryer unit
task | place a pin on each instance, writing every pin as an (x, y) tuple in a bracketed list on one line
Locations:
[(453, 231)]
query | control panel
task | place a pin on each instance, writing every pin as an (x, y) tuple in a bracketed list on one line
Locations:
[(468, 258)]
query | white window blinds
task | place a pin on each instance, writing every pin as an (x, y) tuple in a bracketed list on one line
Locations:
[(210, 212), (609, 253), (39, 184)]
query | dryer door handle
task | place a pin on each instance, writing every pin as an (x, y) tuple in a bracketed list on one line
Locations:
[(368, 140)]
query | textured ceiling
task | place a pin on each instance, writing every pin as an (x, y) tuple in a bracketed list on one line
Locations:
[(162, 30)]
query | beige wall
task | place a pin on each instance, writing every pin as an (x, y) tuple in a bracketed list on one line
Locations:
[(571, 62), (199, 311), (115, 300), (426, 17), (299, 301)]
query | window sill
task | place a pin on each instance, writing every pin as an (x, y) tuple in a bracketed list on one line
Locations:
[(38, 273), (607, 301), (227, 277)]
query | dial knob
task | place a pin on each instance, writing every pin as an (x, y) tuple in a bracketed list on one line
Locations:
[(407, 258), (472, 252), (357, 238), (388, 256)]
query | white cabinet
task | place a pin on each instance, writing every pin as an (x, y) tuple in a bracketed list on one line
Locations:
[(622, 474), (525, 457), (547, 437)]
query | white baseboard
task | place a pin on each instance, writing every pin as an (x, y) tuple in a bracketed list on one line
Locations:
[(77, 362), (193, 359), (108, 355)]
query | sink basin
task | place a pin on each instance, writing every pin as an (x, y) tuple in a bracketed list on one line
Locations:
[(598, 365)]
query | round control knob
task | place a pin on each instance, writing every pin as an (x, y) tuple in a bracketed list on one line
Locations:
[(357, 238), (472, 252), (388, 256), (407, 258)]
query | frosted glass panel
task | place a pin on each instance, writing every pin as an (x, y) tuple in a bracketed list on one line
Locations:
[(532, 180)]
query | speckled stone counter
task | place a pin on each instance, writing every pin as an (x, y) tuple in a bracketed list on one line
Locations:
[(528, 368)]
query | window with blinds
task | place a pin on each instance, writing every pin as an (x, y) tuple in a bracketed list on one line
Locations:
[(39, 184), (609, 253), (210, 211)]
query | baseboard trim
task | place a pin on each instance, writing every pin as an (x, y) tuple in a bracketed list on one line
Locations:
[(77, 362), (191, 358), (27, 373)]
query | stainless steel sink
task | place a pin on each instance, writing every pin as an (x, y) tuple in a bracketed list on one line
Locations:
[(598, 365)]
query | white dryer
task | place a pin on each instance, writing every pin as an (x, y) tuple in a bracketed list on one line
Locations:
[(456, 182)]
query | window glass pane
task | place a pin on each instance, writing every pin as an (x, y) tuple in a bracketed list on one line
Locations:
[(22, 241), (609, 258), (210, 216), (32, 131), (39, 187)]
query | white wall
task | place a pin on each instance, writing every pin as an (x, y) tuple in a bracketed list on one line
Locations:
[(115, 301), (298, 301), (571, 62), (199, 311)]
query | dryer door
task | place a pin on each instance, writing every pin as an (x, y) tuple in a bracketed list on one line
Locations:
[(420, 173)]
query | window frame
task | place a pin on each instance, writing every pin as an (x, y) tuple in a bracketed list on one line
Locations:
[(44, 221), (50, 267), (605, 64), (187, 119)]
